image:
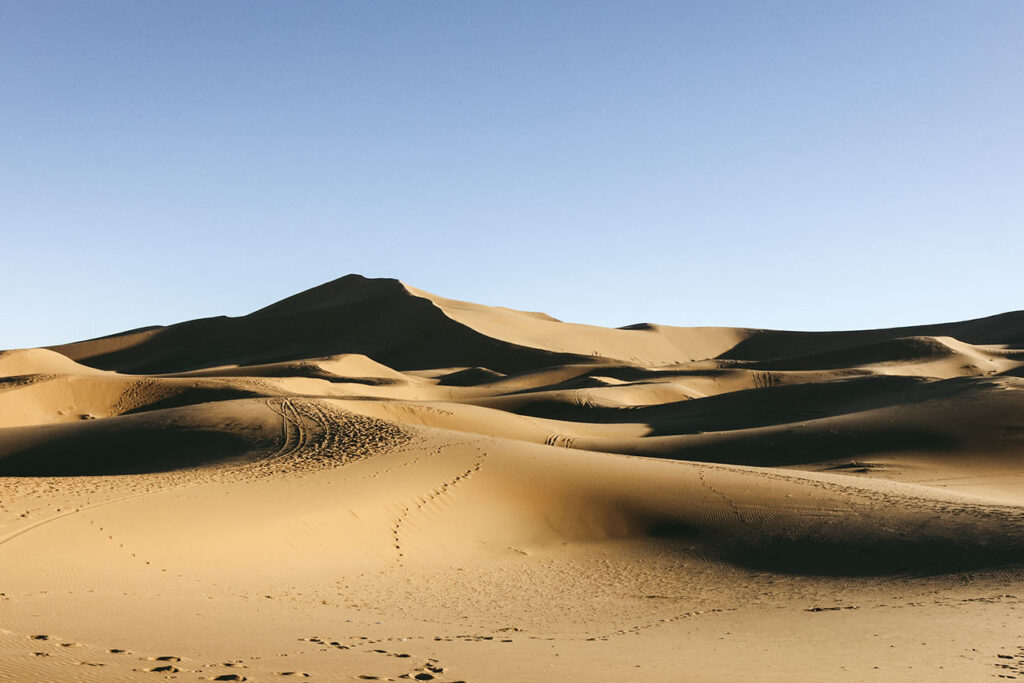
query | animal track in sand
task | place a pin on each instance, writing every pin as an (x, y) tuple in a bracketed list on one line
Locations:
[(433, 496), (136, 493), (1010, 666), (728, 501), (419, 451), (317, 640), (110, 537), (113, 658), (166, 668), (428, 671)]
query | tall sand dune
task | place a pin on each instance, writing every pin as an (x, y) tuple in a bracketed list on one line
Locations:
[(366, 481)]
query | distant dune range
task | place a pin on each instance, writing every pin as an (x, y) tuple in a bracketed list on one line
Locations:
[(435, 478)]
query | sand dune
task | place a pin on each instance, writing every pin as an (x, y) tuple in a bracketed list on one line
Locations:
[(366, 481)]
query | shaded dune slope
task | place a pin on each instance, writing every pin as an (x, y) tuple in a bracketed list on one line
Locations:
[(377, 318), (1005, 328)]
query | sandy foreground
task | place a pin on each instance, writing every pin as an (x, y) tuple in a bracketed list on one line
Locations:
[(369, 482)]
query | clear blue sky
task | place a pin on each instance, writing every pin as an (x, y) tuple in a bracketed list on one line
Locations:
[(808, 165)]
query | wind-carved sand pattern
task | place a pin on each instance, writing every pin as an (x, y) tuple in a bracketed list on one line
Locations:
[(457, 492)]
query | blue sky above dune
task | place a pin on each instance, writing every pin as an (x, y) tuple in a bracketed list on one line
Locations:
[(773, 164)]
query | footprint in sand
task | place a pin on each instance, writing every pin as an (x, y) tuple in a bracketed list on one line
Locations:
[(165, 669)]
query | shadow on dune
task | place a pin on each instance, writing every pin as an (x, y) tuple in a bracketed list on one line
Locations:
[(470, 377), (879, 558), (874, 554), (766, 345), (379, 318), (744, 409), (902, 350), (805, 447), (193, 396), (133, 444)]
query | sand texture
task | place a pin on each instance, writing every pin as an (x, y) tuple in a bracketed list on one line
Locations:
[(366, 481)]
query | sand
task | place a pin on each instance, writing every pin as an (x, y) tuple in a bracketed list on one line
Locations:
[(366, 481)]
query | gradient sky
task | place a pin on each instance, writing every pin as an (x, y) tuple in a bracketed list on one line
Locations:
[(801, 165)]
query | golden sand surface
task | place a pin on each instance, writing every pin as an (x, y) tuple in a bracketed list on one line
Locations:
[(369, 482)]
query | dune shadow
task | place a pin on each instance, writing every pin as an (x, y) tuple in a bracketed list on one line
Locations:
[(100, 452)]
